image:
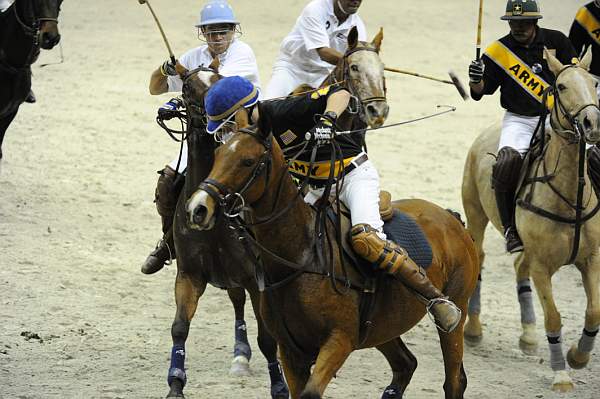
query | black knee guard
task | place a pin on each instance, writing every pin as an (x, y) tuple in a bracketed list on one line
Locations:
[(593, 157), (166, 195), (506, 170)]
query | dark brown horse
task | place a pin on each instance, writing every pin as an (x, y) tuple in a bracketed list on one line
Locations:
[(204, 257), (25, 27), (309, 320)]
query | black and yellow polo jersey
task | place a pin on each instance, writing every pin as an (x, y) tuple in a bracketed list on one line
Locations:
[(585, 31), (521, 71), (292, 117)]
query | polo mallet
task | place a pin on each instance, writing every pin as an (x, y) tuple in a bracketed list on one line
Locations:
[(162, 32), (478, 44), (454, 80)]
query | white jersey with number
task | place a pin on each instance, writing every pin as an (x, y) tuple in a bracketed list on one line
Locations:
[(298, 61), (238, 60)]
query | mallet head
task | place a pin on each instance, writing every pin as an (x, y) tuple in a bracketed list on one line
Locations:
[(459, 86)]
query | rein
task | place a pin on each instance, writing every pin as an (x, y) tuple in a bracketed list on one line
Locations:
[(572, 136)]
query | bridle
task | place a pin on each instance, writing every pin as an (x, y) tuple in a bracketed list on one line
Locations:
[(572, 134), (232, 201), (34, 30), (350, 82)]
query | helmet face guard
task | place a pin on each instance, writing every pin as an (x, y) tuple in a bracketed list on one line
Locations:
[(521, 9), (219, 37), (597, 3)]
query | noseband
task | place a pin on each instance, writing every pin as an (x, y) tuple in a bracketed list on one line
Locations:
[(231, 201), (33, 30), (350, 81), (573, 133)]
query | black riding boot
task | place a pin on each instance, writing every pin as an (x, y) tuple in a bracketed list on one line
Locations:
[(505, 178), (506, 208), (166, 196)]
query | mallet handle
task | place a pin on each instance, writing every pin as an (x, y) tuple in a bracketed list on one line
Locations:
[(162, 32), (419, 75), (479, 23)]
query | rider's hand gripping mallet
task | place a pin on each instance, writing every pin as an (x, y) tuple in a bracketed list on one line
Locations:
[(162, 32)]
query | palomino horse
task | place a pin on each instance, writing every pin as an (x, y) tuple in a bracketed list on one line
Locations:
[(311, 321), (549, 243), (203, 257), (25, 26)]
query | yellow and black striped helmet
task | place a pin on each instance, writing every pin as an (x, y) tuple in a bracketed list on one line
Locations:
[(521, 9)]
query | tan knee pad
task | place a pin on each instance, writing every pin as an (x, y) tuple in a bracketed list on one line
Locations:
[(384, 253), (385, 206)]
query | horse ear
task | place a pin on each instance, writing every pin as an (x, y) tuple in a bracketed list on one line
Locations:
[(181, 70), (586, 61), (555, 65), (242, 119), (377, 40), (353, 38), (215, 64)]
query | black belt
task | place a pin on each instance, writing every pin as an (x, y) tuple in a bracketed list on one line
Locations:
[(356, 162)]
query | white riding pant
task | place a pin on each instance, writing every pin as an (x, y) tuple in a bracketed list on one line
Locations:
[(183, 162), (287, 76), (517, 131), (360, 193)]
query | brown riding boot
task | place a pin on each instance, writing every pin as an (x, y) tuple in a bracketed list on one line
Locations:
[(166, 201), (390, 257)]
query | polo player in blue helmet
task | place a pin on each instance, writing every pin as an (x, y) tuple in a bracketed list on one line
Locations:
[(217, 26), (291, 119)]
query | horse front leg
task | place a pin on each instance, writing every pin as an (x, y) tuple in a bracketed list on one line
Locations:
[(403, 364), (188, 289), (242, 352), (579, 355), (4, 123), (332, 355), (455, 382), (542, 280), (268, 347), (296, 367), (528, 341)]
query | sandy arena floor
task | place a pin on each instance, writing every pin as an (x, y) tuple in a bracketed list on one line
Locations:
[(77, 217)]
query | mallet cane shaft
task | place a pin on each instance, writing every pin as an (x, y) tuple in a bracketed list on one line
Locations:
[(162, 32), (479, 23), (455, 81)]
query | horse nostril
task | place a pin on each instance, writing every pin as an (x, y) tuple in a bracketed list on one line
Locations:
[(199, 214), (587, 124), (372, 110)]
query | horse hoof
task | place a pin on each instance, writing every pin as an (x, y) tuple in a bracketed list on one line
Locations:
[(562, 382), (577, 360), (240, 367), (175, 395), (280, 391), (528, 348), (473, 340)]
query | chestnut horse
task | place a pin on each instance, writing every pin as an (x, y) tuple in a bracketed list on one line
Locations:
[(547, 211), (25, 26), (311, 322), (208, 257)]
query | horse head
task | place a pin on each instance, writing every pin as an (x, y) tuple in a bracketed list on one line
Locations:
[(39, 18), (576, 110), (363, 73), (241, 174), (195, 85)]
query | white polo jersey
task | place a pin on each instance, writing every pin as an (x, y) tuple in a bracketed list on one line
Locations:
[(238, 60), (318, 27)]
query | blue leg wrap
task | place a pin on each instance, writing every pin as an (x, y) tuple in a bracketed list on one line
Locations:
[(279, 388), (241, 347), (392, 392), (177, 369)]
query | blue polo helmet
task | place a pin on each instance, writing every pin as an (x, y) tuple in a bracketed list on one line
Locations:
[(225, 97), (216, 12)]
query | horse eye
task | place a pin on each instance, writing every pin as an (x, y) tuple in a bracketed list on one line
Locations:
[(248, 162), (561, 87), (354, 68)]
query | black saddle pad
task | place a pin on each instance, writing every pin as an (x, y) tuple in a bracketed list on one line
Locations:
[(404, 231)]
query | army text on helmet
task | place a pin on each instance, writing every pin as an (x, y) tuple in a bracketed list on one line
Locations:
[(521, 9)]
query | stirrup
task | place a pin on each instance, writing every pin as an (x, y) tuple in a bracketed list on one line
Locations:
[(169, 261), (435, 301)]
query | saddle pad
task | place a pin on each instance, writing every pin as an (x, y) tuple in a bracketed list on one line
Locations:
[(404, 231)]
